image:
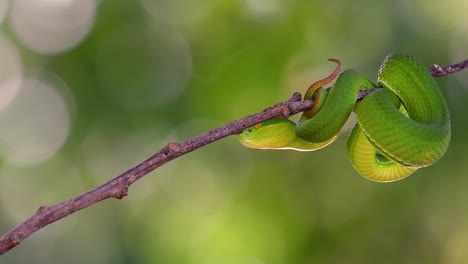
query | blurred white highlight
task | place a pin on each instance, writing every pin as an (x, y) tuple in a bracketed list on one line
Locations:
[(11, 69), (52, 26), (37, 122)]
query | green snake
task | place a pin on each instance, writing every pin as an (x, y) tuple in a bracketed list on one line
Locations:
[(400, 128)]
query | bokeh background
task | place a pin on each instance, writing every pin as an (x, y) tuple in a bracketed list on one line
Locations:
[(89, 88)]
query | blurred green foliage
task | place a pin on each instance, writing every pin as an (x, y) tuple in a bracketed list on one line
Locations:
[(153, 71)]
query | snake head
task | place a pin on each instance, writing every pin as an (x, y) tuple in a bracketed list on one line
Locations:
[(276, 133)]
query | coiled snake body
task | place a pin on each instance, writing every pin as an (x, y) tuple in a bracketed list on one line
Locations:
[(401, 127)]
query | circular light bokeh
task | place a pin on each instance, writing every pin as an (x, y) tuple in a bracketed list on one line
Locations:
[(52, 26), (37, 122), (11, 70)]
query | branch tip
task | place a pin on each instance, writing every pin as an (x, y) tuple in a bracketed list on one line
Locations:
[(439, 71), (436, 70)]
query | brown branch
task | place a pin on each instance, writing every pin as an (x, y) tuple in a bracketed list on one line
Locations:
[(437, 71), (118, 187)]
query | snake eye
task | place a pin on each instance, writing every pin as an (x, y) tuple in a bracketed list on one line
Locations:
[(247, 131)]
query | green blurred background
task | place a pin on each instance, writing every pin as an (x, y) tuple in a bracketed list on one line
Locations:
[(89, 88)]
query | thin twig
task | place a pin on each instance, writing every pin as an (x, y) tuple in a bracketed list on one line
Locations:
[(437, 71), (118, 187)]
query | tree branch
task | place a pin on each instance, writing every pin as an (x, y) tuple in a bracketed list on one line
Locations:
[(118, 187)]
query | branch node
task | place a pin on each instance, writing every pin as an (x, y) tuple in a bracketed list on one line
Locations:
[(15, 239), (42, 209), (120, 191), (296, 97), (174, 147), (287, 111)]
